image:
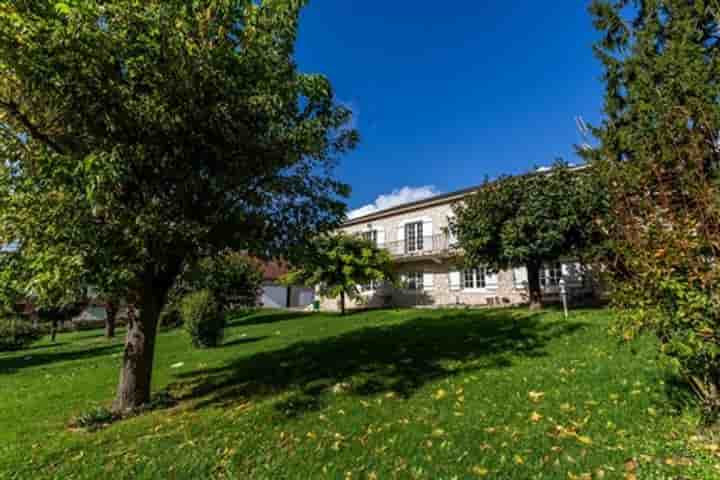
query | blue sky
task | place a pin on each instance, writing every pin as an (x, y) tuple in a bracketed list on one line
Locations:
[(448, 92)]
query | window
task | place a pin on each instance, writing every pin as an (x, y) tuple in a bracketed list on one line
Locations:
[(413, 236), (550, 275), (370, 287), (414, 280), (474, 279), (371, 236)]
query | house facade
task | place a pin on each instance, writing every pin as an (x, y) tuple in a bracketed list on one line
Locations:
[(430, 266)]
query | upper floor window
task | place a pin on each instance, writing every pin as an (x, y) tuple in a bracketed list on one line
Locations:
[(551, 275), (414, 280), (371, 236), (474, 279), (413, 236)]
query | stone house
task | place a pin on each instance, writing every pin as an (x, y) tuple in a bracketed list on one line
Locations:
[(429, 265)]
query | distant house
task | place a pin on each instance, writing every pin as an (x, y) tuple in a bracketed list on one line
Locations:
[(429, 263), (276, 295)]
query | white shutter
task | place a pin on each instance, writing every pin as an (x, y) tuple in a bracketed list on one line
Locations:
[(428, 281), (454, 280), (520, 277), (427, 234), (427, 227), (380, 237), (491, 280)]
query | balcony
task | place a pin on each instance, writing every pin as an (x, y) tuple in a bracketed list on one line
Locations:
[(433, 246)]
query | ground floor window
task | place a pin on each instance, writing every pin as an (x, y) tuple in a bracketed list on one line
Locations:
[(551, 275), (414, 280), (474, 279), (371, 286), (371, 236)]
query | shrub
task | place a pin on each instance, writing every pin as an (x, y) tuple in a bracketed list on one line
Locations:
[(234, 279), (17, 333), (203, 318)]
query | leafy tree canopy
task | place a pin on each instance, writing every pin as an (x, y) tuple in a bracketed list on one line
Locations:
[(339, 264), (148, 134), (659, 151), (527, 220), (234, 279)]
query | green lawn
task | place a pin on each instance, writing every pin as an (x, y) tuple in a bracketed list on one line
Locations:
[(390, 394)]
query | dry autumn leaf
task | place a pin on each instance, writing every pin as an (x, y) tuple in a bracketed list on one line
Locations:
[(536, 396), (480, 471)]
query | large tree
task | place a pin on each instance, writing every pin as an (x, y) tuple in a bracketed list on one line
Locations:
[(659, 148), (149, 134), (528, 220), (340, 264)]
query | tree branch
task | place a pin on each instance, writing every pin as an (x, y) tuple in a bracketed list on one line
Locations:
[(13, 110)]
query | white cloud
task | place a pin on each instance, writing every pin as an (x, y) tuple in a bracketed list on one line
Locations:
[(397, 197)]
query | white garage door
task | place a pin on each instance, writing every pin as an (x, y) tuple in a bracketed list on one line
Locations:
[(274, 296)]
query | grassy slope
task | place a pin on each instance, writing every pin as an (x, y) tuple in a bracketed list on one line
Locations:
[(407, 394)]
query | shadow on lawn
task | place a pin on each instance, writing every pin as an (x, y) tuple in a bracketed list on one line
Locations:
[(242, 341), (263, 318), (395, 358), (23, 359)]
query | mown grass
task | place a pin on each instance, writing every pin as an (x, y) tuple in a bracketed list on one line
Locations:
[(504, 394)]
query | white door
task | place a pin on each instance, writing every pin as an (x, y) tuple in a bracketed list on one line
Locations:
[(274, 296)]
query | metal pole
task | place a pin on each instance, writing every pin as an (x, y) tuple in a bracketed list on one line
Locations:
[(563, 295)]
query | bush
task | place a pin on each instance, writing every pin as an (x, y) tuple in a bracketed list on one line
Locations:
[(234, 279), (16, 334), (203, 318)]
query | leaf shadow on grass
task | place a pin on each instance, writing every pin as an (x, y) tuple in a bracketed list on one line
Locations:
[(242, 341), (679, 394), (21, 360), (398, 358), (46, 346), (265, 317)]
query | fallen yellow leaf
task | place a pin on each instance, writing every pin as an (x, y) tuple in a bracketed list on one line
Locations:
[(536, 396), (480, 471)]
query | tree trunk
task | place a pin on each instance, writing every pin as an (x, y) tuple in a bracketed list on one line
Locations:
[(342, 303), (54, 329), (534, 289), (111, 310), (136, 373)]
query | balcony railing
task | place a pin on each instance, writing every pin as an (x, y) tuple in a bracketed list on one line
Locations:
[(420, 247)]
